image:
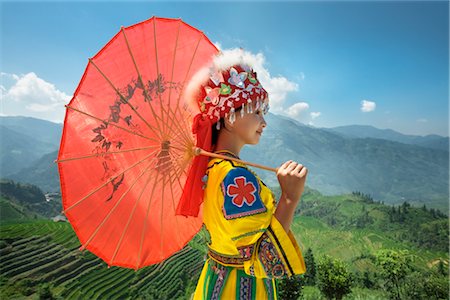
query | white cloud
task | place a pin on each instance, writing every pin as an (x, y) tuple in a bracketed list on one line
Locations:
[(294, 111), (422, 120), (368, 106), (315, 114), (29, 95)]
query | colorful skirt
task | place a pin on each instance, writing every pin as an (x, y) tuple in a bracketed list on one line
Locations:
[(218, 281)]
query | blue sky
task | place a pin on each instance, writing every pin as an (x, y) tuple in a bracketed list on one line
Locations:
[(331, 63)]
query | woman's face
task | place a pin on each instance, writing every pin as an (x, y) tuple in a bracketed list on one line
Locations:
[(249, 128)]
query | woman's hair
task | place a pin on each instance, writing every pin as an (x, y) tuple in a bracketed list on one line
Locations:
[(215, 131)]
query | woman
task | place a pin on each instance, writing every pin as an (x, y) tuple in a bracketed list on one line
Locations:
[(251, 242)]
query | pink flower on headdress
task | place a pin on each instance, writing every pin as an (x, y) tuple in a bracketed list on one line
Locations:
[(212, 95), (216, 76)]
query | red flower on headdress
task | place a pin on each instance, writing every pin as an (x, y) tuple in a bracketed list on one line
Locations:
[(242, 191)]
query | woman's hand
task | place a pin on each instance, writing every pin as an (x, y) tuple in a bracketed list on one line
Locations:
[(291, 176)]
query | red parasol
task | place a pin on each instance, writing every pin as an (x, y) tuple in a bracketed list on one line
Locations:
[(126, 144)]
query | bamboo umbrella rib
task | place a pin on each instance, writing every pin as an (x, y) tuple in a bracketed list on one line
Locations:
[(175, 178), (177, 140), (155, 116), (183, 146), (99, 226), (183, 170), (138, 262), (176, 170), (158, 166), (106, 183), (157, 74), (177, 148), (162, 107), (175, 122), (188, 71), (178, 176), (187, 74), (123, 98), (129, 219), (115, 125), (173, 59), (172, 117), (161, 214), (186, 126), (183, 131), (104, 153)]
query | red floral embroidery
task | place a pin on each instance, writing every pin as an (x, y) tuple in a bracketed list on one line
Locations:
[(241, 191)]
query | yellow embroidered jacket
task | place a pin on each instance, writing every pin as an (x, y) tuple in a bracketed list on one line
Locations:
[(249, 248)]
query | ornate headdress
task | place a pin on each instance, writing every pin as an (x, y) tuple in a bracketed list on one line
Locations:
[(216, 92), (226, 90)]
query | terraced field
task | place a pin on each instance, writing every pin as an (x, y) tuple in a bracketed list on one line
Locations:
[(35, 253)]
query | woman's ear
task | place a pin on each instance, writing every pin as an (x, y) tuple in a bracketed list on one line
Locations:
[(227, 124)]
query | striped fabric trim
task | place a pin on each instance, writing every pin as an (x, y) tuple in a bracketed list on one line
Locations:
[(245, 286), (281, 249), (269, 285), (248, 234), (217, 275)]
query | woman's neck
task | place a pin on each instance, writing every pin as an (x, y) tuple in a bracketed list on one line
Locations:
[(227, 141)]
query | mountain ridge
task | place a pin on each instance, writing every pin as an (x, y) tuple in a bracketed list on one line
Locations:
[(388, 170)]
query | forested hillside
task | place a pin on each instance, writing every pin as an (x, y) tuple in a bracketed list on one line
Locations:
[(42, 257)]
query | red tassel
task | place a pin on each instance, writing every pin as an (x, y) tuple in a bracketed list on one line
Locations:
[(192, 196)]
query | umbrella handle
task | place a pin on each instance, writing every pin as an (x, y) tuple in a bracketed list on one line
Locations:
[(199, 151)]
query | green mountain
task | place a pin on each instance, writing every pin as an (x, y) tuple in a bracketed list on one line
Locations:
[(24, 140), (42, 130), (363, 131), (390, 171), (42, 173), (19, 150)]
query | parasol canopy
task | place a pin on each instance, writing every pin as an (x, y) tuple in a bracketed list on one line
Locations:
[(126, 145)]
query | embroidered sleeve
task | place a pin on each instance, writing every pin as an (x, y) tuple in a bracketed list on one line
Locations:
[(241, 193), (276, 254)]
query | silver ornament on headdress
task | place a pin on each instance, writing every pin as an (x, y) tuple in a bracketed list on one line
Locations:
[(249, 106), (232, 116)]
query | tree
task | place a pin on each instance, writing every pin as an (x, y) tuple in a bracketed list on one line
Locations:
[(310, 275), (367, 281), (44, 292), (394, 266), (426, 285), (333, 278), (441, 269), (290, 288)]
